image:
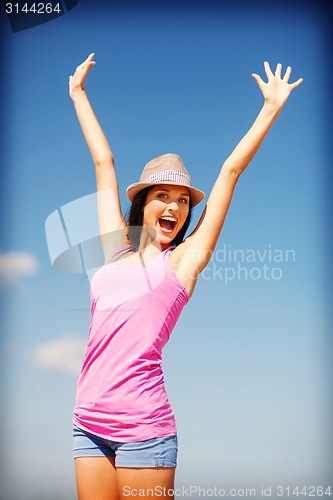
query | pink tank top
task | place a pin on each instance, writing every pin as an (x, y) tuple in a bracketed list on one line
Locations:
[(120, 390)]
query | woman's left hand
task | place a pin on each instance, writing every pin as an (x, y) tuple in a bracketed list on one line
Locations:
[(277, 90), (76, 81)]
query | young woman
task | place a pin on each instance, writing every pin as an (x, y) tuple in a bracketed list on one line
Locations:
[(125, 440)]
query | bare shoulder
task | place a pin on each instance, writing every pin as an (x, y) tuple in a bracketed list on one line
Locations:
[(189, 254), (113, 242), (178, 254), (184, 262)]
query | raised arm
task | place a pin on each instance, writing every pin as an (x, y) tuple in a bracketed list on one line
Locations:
[(113, 229), (201, 243)]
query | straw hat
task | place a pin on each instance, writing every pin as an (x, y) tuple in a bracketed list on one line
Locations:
[(165, 169)]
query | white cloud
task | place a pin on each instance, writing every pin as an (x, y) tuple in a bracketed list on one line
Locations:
[(61, 354), (14, 265)]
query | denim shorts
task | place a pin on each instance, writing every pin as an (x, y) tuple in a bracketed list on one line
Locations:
[(156, 452)]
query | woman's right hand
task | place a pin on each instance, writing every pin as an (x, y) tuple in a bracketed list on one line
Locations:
[(76, 81)]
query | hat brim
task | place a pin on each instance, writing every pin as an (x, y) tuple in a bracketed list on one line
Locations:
[(196, 194)]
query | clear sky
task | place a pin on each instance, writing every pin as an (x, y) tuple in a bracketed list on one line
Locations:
[(246, 369)]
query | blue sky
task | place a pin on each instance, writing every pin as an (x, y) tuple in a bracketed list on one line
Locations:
[(247, 367)]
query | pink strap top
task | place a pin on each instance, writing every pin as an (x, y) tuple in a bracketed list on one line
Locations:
[(120, 390)]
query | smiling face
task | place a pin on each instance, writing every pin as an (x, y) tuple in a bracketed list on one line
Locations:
[(166, 210)]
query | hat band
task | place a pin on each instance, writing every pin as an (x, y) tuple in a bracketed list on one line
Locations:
[(168, 175)]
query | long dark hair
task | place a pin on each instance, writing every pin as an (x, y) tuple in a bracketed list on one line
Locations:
[(135, 219)]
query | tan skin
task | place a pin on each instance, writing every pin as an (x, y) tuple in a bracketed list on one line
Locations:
[(97, 477)]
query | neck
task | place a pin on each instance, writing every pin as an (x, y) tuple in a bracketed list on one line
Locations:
[(149, 246)]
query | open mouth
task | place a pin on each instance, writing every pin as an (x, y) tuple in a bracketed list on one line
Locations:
[(167, 224)]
